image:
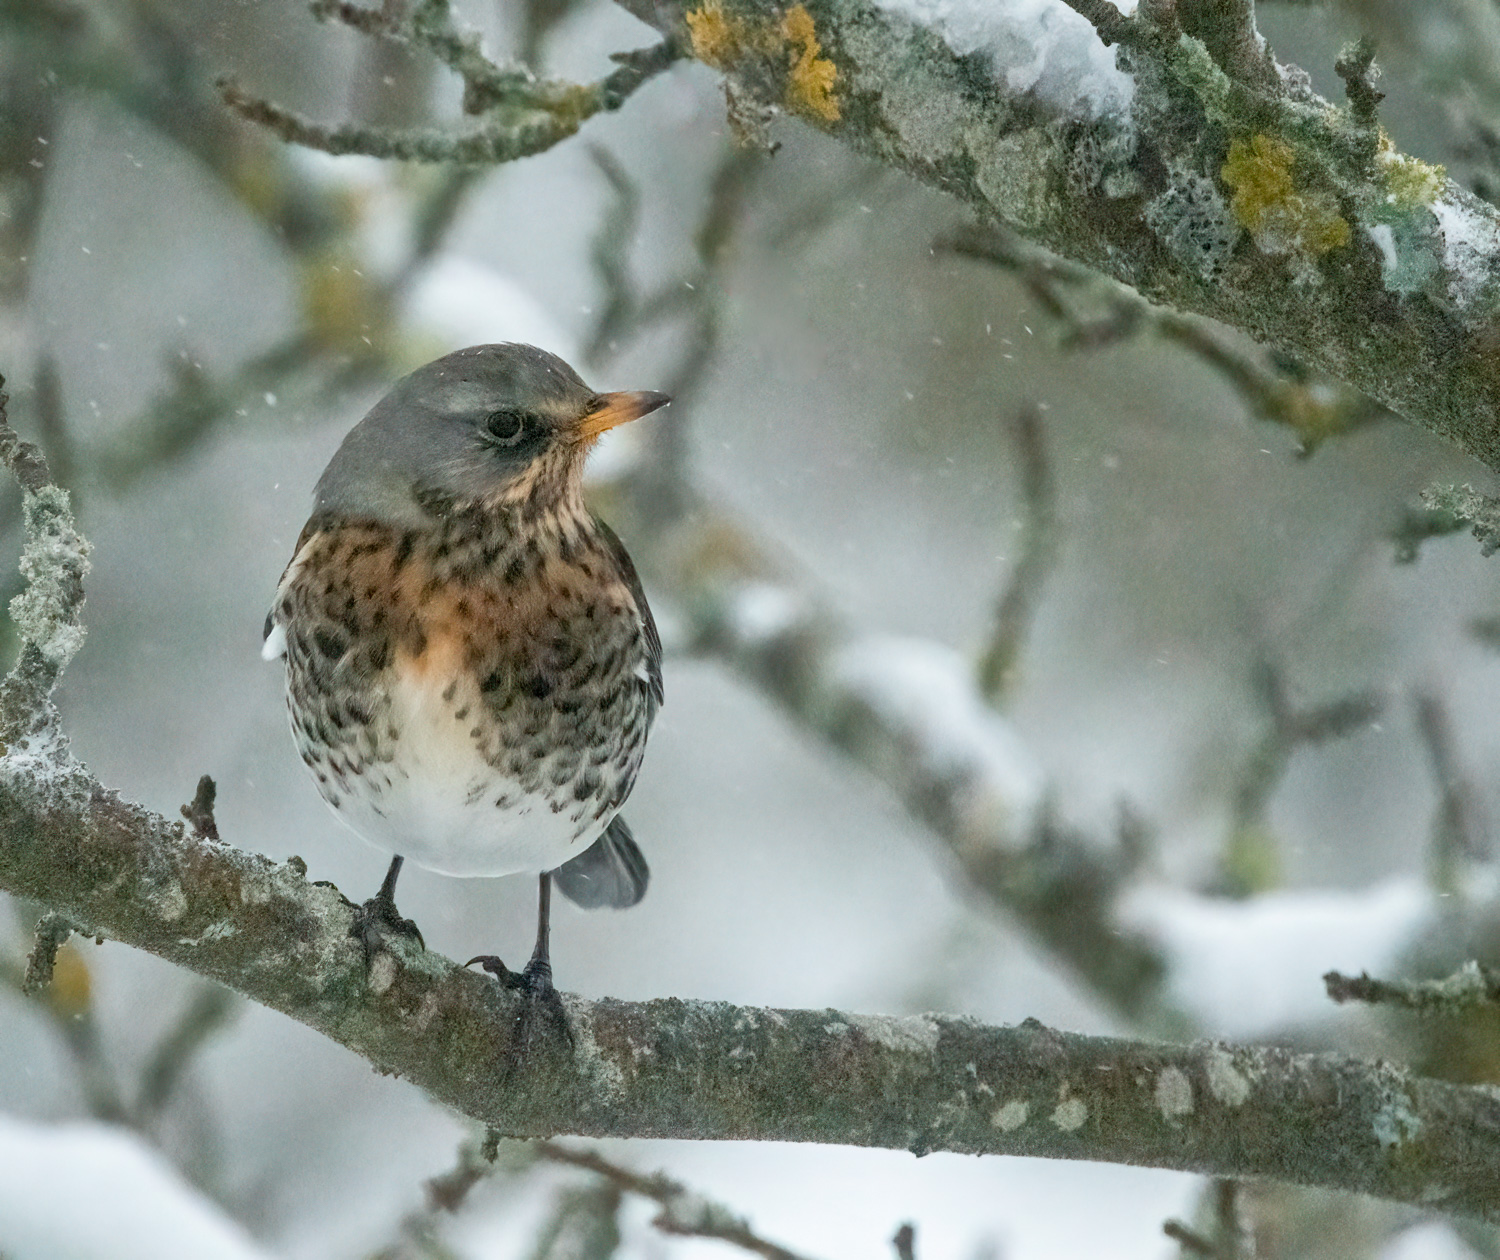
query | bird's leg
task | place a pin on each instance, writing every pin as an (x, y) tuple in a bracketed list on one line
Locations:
[(378, 918), (536, 979)]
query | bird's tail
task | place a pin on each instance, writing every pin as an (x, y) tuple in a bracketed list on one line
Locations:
[(610, 872)]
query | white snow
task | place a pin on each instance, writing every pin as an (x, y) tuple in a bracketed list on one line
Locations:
[(87, 1191), (464, 302), (1470, 239), (1039, 46), (925, 693), (1246, 968)]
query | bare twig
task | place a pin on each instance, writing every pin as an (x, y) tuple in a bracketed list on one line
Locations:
[(609, 252), (1093, 312), (51, 931), (1249, 863), (1233, 1238), (199, 812), (66, 998), (209, 1009), (1480, 512), (1113, 26), (1471, 985), (905, 1242), (584, 1224), (1192, 1242), (522, 115), (698, 296), (683, 1212), (1356, 67), (1459, 830), (1227, 29), (1018, 602)]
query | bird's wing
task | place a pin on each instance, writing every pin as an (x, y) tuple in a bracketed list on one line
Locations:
[(648, 622), (273, 633)]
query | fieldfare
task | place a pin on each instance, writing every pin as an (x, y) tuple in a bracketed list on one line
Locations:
[(471, 665)]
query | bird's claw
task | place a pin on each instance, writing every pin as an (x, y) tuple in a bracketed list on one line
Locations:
[(535, 980), (542, 1000), (377, 921)]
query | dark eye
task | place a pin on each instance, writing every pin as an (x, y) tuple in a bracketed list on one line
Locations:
[(507, 427)]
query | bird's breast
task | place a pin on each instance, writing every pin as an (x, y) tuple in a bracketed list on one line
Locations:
[(474, 703)]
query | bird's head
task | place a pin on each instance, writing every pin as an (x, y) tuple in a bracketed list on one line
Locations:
[(494, 425)]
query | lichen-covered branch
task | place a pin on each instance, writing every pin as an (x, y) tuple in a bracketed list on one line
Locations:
[(520, 114), (1471, 985), (686, 1069), (707, 1070), (1214, 181)]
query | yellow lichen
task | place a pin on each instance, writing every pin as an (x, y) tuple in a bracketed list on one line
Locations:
[(726, 41), (1267, 204), (1409, 181), (717, 36), (810, 86)]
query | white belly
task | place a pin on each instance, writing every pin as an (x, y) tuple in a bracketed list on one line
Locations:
[(435, 800)]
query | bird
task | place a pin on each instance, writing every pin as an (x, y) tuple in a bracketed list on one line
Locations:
[(472, 669)]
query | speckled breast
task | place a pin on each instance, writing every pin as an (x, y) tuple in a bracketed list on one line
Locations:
[(473, 695)]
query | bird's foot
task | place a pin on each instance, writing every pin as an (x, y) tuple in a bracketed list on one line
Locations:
[(377, 921), (542, 998), (535, 980)]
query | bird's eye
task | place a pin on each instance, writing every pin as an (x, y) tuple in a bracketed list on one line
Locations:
[(507, 427)]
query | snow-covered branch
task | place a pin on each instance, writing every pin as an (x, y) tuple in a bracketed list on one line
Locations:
[(1183, 161)]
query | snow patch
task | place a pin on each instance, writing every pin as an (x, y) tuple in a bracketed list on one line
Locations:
[(86, 1191), (1470, 240), (1244, 968), (924, 697), (1037, 46), (762, 610)]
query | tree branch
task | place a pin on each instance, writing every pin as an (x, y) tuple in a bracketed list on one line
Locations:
[(1471, 985), (1243, 197), (673, 1068)]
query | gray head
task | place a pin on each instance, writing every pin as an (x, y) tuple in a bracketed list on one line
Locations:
[(482, 425)]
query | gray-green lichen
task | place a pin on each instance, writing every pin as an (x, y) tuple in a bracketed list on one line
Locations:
[(54, 564)]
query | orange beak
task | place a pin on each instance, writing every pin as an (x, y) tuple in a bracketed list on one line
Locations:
[(610, 410)]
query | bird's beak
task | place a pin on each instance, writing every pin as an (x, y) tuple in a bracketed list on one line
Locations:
[(609, 410)]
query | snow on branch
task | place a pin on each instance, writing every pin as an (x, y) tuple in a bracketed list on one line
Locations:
[(910, 712), (1183, 161)]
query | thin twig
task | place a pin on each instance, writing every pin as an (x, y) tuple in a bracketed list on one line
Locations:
[(199, 812), (1459, 829), (209, 1010), (1249, 863), (1093, 312), (1470, 986), (1017, 606), (1113, 26), (683, 1212), (905, 1242)]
